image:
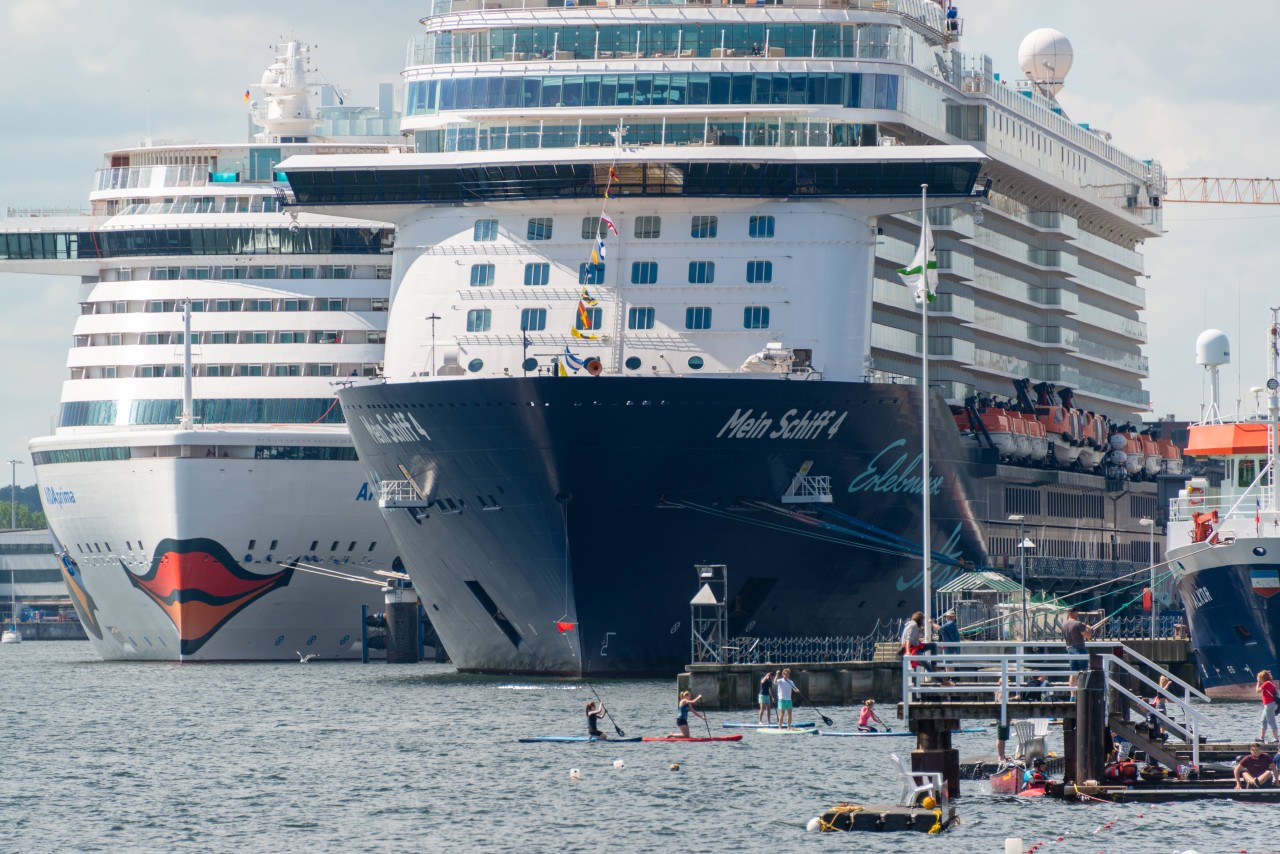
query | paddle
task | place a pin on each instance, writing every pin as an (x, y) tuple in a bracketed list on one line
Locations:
[(826, 720), (616, 728)]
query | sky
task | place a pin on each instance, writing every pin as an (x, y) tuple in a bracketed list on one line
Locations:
[(1169, 82)]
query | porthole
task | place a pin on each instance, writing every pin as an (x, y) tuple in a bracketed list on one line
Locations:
[(529, 364), (475, 365), (1259, 551), (696, 362), (633, 363)]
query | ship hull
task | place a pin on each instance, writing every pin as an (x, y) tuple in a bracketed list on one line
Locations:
[(205, 559), (562, 519), (1233, 612)]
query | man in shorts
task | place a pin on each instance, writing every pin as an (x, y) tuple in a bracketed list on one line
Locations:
[(1076, 635), (783, 686)]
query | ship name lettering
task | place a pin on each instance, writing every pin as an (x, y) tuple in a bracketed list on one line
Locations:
[(792, 425), (900, 476), (393, 429), (1201, 596), (58, 496)]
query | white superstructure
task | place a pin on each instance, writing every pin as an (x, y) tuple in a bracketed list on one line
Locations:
[(189, 538)]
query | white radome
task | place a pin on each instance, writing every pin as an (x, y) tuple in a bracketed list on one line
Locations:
[(1213, 348), (1045, 56)]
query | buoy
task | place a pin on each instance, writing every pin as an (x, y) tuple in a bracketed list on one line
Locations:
[(1012, 846), (619, 764), (928, 802), (814, 825), (675, 766), (575, 774)]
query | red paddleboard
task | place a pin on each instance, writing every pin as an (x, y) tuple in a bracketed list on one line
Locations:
[(735, 737)]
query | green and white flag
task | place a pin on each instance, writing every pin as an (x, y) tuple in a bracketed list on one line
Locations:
[(923, 272)]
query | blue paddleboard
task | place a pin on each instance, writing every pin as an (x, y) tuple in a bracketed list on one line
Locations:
[(573, 739), (904, 732)]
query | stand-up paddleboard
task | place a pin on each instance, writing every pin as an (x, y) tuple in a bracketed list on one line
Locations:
[(737, 736), (1032, 792), (572, 739), (731, 725), (775, 731), (899, 733)]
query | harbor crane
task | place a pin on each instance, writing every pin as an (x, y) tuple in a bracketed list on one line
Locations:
[(1224, 191)]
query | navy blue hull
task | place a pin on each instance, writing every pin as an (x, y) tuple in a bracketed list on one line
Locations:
[(1233, 623), (588, 501)]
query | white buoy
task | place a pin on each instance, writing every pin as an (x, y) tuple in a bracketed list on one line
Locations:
[(815, 824), (575, 774), (619, 764), (1012, 846)]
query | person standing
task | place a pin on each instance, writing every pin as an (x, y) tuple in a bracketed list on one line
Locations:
[(783, 686), (594, 713), (683, 708), (1267, 688), (766, 699), (913, 640), (867, 715), (1076, 634), (949, 635)]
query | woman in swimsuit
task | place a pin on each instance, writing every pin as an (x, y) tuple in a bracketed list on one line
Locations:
[(682, 713), (594, 714)]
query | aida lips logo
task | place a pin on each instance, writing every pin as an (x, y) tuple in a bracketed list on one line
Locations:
[(200, 587)]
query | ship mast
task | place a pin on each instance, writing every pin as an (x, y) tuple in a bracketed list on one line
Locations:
[(925, 544), (1273, 409)]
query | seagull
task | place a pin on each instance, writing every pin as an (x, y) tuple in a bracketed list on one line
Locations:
[(303, 659)]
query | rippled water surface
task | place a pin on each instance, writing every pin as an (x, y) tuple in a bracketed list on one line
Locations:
[(340, 757)]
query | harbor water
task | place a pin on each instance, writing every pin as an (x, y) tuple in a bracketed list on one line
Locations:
[(340, 757)]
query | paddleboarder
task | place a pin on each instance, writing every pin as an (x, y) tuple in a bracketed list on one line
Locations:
[(765, 715), (867, 715), (595, 711), (683, 708), (783, 686)]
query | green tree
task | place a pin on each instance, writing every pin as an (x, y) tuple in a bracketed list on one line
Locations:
[(29, 512)]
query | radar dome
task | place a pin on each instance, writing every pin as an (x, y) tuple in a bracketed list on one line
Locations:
[(1045, 57), (1212, 348)]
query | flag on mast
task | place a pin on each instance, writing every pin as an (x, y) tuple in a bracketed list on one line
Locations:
[(608, 224), (923, 270)]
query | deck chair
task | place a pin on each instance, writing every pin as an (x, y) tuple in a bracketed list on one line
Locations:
[(917, 784), (1030, 741)]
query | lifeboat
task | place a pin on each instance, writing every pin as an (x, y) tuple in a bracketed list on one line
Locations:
[(1021, 439), (1093, 440), (1061, 428), (1037, 436), (1127, 444), (1153, 462), (996, 423), (1170, 456)]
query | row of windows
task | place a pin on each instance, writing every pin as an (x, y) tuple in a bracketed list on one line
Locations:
[(303, 369), (218, 305), (241, 272), (92, 548), (73, 245), (289, 410), (262, 452), (354, 336), (865, 91), (639, 317), (644, 228), (642, 273), (79, 455)]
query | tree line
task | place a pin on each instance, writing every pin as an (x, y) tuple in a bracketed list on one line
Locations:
[(29, 513)]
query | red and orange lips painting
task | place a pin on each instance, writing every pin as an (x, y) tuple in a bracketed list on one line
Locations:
[(200, 587)]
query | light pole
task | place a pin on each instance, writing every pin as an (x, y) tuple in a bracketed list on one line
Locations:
[(13, 493), (1150, 525), (1023, 545)]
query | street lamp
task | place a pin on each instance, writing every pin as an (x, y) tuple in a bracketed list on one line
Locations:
[(13, 493), (1023, 545), (1150, 525)]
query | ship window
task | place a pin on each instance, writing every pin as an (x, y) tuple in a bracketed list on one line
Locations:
[(759, 272), (702, 272), (481, 275), (533, 319), (537, 274), (593, 228), (644, 272), (640, 317), (479, 319), (1245, 473), (648, 227), (588, 318), (314, 545), (755, 317), (373, 545), (352, 547), (540, 228), (252, 543), (590, 274), (485, 230), (696, 363), (760, 226), (633, 363), (334, 547), (475, 365), (704, 226), (697, 317), (273, 545)]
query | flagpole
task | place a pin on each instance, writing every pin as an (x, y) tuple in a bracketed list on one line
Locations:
[(926, 547)]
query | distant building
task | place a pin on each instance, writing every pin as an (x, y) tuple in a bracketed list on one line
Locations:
[(29, 568)]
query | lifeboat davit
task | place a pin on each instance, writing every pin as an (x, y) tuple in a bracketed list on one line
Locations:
[(1170, 456), (996, 423)]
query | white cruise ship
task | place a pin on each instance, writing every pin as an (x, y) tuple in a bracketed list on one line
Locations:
[(193, 518), (659, 243)]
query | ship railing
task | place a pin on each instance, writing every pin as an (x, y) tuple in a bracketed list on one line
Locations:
[(400, 493), (1000, 674), (31, 213), (815, 649), (1232, 507)]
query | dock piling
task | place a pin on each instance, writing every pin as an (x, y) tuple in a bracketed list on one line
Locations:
[(1091, 724)]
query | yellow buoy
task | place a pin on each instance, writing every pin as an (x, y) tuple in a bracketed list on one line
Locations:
[(928, 802), (675, 766)]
